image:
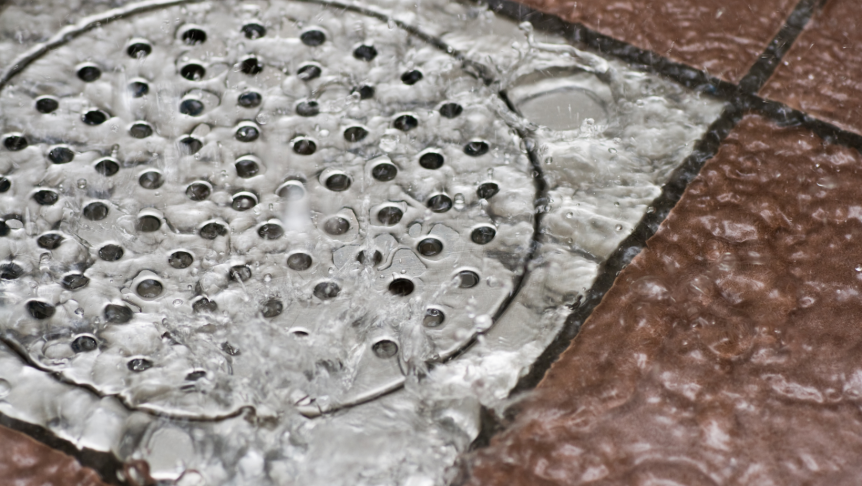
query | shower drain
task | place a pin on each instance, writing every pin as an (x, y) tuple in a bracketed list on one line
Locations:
[(211, 206)]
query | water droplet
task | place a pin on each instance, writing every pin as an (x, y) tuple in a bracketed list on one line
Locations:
[(178, 302), (459, 201), (650, 210), (570, 215), (612, 150), (619, 227), (82, 183), (859, 268), (267, 278)]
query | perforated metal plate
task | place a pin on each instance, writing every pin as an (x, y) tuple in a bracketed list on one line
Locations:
[(213, 206)]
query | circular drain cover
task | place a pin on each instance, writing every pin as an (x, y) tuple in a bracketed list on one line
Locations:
[(214, 206)]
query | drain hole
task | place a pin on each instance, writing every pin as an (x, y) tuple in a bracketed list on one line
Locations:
[(10, 271), (338, 182), (476, 148), (74, 281), (211, 231), (304, 146), (180, 260), (47, 104), (46, 197), (401, 287), (309, 72), (336, 226), (467, 279), (247, 133), (411, 77), (89, 73), (230, 350), (191, 145), (95, 211), (243, 201), (430, 247), (15, 143), (117, 314), (405, 123), (246, 167), (299, 262), (384, 172), (364, 259), (191, 107), (431, 160), (433, 318), (141, 130), (61, 155), (365, 92), (194, 36), (148, 224), (139, 49), (390, 215), (40, 310), (107, 167), (240, 273), (483, 235), (272, 308), (365, 52), (326, 290), (111, 253), (95, 117), (312, 37), (149, 288), (195, 375), (253, 31), (205, 305), (308, 108), (49, 241), (139, 364), (249, 99), (270, 231), (83, 344), (193, 72), (440, 203), (291, 191), (198, 191), (487, 190), (251, 66), (355, 134), (451, 110), (5, 184), (385, 349), (138, 88), (151, 180)]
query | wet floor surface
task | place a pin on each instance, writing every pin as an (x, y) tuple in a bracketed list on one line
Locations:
[(726, 351)]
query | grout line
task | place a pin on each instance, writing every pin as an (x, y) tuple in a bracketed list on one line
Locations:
[(671, 193), (768, 61)]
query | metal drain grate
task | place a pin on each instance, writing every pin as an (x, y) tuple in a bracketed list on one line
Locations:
[(214, 206)]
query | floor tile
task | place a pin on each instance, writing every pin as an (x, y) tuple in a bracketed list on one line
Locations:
[(726, 352), (820, 74), (25, 462), (721, 37)]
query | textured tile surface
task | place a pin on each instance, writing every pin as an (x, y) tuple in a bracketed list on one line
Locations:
[(727, 352), (820, 74), (25, 462), (721, 37)]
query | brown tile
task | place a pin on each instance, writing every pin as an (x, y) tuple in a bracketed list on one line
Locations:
[(25, 462), (820, 75), (723, 37), (728, 350)]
